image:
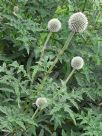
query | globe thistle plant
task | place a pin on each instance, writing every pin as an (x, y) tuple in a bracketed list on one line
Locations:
[(40, 102), (78, 22), (77, 62), (15, 10), (54, 25)]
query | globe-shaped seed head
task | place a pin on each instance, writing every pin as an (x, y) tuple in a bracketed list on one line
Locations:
[(78, 22), (54, 25), (41, 101), (77, 62)]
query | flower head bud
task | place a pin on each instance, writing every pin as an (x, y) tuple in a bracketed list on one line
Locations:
[(54, 25), (41, 101), (77, 62), (16, 9), (78, 22)]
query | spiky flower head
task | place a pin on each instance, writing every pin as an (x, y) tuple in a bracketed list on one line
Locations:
[(54, 25), (78, 22), (77, 62), (41, 101), (16, 9)]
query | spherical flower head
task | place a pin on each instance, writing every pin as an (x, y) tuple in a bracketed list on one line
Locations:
[(77, 62), (54, 25), (16, 9), (78, 22), (40, 102)]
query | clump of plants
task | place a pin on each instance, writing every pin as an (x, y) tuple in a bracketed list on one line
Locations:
[(50, 68)]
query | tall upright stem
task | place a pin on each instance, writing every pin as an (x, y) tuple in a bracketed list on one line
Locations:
[(65, 82), (45, 44), (42, 54), (40, 87), (61, 51), (35, 113), (70, 75)]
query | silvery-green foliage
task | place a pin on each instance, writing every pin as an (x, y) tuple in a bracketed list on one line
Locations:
[(73, 109)]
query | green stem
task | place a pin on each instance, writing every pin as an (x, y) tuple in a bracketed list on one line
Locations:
[(61, 51), (45, 44), (70, 75), (40, 87), (29, 61), (35, 113), (42, 54), (84, 5), (65, 82)]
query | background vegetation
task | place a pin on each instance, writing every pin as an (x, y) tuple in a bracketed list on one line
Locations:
[(74, 110)]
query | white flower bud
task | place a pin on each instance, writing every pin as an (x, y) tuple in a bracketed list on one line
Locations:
[(78, 22), (16, 9), (41, 101), (54, 25), (77, 62)]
